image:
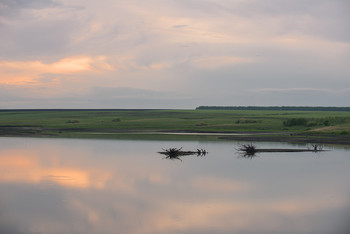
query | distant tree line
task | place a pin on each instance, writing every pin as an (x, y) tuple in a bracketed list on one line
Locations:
[(282, 108)]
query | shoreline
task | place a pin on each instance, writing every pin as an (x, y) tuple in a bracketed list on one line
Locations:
[(176, 135)]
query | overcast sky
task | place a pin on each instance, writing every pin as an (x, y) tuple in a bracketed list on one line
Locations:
[(173, 53)]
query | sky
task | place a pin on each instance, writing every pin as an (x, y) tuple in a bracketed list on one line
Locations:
[(174, 53)]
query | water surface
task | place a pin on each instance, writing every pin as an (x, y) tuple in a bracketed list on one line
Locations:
[(114, 186)]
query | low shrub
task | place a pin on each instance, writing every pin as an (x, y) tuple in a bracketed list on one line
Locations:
[(246, 121), (73, 121), (312, 123), (295, 122)]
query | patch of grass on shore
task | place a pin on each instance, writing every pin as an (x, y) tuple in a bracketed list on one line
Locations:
[(80, 123)]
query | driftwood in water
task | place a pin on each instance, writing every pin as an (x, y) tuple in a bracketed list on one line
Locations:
[(285, 150), (175, 153), (250, 150)]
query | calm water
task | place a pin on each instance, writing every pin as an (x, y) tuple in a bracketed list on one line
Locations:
[(113, 186)]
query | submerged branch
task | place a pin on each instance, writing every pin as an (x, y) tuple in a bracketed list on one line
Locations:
[(249, 150)]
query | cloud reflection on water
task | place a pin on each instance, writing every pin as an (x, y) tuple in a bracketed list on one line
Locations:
[(28, 167), (55, 187)]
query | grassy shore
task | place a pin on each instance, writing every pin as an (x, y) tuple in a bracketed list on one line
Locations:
[(297, 126)]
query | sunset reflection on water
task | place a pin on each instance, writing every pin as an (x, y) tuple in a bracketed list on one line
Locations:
[(105, 186)]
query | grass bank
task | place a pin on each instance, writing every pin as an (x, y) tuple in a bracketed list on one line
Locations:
[(326, 126)]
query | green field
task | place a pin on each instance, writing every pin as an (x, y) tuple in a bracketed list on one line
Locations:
[(115, 123)]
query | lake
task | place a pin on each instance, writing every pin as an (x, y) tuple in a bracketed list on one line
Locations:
[(121, 186)]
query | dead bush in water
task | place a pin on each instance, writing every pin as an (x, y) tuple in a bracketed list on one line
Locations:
[(176, 153), (247, 149)]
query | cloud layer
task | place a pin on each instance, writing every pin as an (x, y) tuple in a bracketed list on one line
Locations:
[(182, 53)]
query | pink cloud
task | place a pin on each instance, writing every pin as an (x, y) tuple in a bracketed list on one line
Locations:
[(28, 72)]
